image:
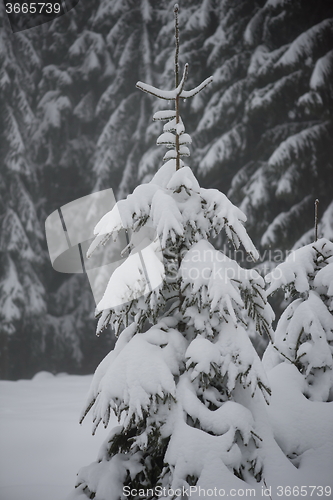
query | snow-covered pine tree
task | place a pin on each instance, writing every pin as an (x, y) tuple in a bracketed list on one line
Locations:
[(286, 121), (131, 28), (304, 334), (22, 294), (184, 376), (74, 65), (270, 103)]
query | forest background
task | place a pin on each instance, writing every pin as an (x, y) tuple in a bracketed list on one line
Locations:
[(72, 122)]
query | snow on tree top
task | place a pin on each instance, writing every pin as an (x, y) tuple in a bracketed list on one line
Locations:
[(184, 178), (178, 140), (157, 201), (164, 173)]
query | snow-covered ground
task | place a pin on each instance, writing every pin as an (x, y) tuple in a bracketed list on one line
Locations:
[(42, 445)]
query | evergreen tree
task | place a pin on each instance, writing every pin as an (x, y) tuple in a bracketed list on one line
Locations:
[(184, 379), (75, 64), (43, 318), (304, 334), (22, 294), (130, 29), (271, 114), (261, 132), (80, 84), (259, 106)]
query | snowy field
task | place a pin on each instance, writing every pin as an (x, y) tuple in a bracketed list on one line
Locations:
[(42, 445)]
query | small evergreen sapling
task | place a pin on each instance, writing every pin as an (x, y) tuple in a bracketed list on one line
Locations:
[(183, 374), (304, 334)]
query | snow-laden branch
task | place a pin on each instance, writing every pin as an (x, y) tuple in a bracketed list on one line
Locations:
[(169, 95), (190, 93)]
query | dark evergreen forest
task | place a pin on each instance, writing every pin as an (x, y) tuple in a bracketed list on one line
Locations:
[(72, 122)]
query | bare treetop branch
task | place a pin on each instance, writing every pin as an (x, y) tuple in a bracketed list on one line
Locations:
[(175, 95)]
